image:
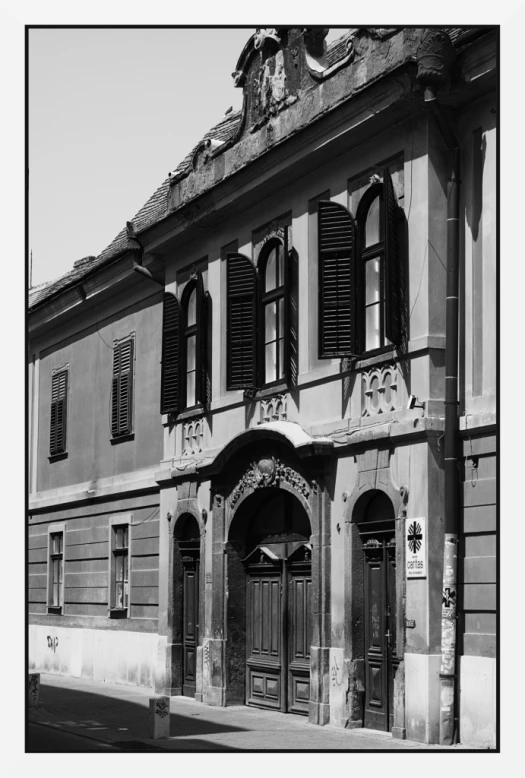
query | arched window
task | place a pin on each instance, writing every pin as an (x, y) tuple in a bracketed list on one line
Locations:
[(360, 278), (262, 317), (184, 349), (372, 268), (189, 308), (272, 270)]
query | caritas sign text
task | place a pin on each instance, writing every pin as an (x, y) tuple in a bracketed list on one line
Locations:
[(416, 544)]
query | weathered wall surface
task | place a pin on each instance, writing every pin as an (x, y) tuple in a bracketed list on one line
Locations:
[(86, 554), (91, 453)]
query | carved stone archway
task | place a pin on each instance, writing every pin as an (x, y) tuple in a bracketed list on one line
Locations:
[(273, 464)]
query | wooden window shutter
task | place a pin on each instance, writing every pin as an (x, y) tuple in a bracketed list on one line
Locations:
[(392, 262), (171, 380), (291, 303), (241, 322), (58, 426), (122, 388), (203, 393), (337, 272)]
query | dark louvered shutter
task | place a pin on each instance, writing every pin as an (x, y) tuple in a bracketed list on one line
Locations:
[(337, 315), (122, 388), (291, 324), (241, 318), (58, 426), (392, 259), (170, 400), (202, 387)]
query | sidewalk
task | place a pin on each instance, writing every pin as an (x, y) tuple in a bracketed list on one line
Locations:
[(118, 715)]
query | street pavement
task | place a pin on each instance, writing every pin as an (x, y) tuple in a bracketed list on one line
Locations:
[(117, 715)]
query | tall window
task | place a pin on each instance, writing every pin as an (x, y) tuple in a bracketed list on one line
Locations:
[(58, 422), (56, 572), (119, 587), (360, 274), (185, 377), (262, 317), (371, 223), (190, 349), (272, 302), (122, 388)]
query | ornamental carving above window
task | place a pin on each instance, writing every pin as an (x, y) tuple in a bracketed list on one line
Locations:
[(274, 409)]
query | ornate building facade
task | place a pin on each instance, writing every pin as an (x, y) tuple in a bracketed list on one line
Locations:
[(282, 529)]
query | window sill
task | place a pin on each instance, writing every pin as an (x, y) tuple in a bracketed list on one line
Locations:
[(373, 358), (278, 387), (122, 438), (192, 413), (58, 457)]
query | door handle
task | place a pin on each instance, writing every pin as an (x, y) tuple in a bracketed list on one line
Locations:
[(388, 636)]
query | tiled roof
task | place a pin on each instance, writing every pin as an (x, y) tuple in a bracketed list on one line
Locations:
[(156, 208)]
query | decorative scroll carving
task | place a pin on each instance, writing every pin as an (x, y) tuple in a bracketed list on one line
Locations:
[(274, 409), (380, 393), (192, 437), (269, 471), (372, 543)]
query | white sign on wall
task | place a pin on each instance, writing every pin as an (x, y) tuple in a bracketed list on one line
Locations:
[(416, 548)]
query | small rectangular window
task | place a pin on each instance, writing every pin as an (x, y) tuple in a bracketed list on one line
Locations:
[(55, 591), (122, 388), (119, 572), (58, 421)]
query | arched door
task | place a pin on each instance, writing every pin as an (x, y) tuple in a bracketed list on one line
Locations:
[(378, 536), (188, 536), (271, 533)]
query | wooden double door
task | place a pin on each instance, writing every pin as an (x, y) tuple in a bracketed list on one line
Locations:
[(279, 634), (381, 661)]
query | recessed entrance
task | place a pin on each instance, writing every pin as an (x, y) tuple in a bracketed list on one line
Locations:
[(270, 535), (377, 531)]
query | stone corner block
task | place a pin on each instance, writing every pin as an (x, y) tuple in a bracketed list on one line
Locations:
[(159, 717)]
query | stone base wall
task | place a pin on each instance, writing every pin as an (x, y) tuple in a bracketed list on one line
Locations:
[(101, 655), (477, 701)]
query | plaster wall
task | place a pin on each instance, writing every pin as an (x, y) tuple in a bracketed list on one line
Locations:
[(104, 656), (477, 702), (91, 454)]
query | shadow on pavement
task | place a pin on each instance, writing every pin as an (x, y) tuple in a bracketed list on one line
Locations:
[(78, 711)]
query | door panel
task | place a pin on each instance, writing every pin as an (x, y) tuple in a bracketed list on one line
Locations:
[(376, 705), (264, 665), (190, 625), (300, 639), (380, 634)]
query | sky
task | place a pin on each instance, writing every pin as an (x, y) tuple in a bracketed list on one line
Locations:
[(111, 112)]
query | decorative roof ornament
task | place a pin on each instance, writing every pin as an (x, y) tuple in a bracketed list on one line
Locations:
[(263, 34), (435, 58)]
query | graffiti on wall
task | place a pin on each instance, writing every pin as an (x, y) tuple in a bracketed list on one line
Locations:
[(206, 663), (336, 672), (52, 643)]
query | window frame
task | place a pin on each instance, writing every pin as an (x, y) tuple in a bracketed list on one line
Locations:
[(57, 452), (187, 332), (52, 531), (120, 433), (268, 298), (115, 523), (364, 254)]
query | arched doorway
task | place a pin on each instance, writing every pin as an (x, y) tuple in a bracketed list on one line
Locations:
[(376, 525), (187, 535), (269, 612)]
